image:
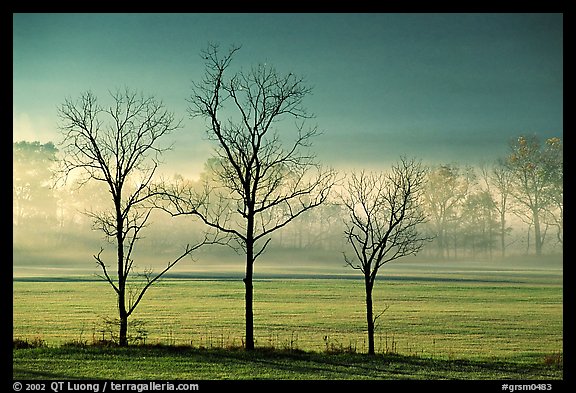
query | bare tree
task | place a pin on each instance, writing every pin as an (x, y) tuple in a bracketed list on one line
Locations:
[(119, 146), (447, 188), (498, 182), (478, 224), (384, 215), (262, 181)]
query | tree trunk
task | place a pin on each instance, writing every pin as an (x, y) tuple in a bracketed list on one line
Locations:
[(248, 284), (249, 312), (123, 314), (369, 314), (537, 234), (123, 337), (123, 340), (503, 234)]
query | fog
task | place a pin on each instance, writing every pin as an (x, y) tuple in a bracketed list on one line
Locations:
[(450, 89), (53, 235)]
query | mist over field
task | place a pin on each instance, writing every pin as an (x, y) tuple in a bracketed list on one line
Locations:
[(453, 90), (53, 233)]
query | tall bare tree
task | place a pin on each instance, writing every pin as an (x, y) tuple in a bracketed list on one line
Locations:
[(263, 179), (119, 146), (384, 215)]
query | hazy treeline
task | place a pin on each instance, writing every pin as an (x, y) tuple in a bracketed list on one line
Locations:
[(512, 206)]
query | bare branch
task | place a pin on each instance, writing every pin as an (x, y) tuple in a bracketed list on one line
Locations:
[(384, 214), (105, 271), (266, 183), (117, 145), (152, 279), (376, 317)]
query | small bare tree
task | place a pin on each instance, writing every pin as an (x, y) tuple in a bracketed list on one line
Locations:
[(261, 182), (384, 214), (119, 146), (498, 181)]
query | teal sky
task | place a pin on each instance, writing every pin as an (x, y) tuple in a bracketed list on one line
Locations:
[(440, 87)]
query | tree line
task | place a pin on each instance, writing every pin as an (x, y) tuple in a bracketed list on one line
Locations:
[(257, 184), (477, 212)]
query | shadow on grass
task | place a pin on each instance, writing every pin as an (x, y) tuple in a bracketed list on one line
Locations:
[(183, 362), (23, 373)]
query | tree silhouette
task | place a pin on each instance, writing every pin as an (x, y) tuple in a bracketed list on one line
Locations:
[(384, 215), (119, 146), (261, 182)]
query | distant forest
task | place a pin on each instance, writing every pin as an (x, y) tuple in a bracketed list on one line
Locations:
[(510, 207)]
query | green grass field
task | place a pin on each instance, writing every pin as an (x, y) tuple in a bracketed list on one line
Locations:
[(185, 363), (486, 315)]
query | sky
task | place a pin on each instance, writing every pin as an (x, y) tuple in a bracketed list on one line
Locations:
[(439, 87)]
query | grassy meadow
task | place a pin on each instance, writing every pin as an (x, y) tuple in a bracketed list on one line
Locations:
[(473, 313)]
